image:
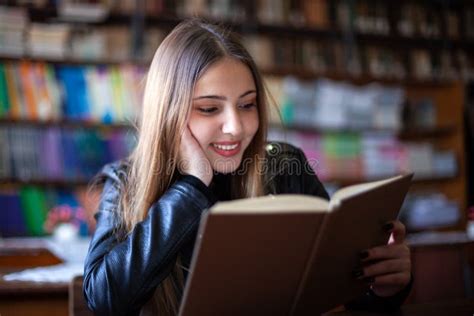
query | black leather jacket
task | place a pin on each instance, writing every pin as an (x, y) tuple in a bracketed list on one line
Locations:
[(121, 274)]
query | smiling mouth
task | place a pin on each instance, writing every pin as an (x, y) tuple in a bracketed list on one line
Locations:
[(228, 149)]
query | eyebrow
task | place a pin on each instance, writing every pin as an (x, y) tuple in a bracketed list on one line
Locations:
[(220, 97)]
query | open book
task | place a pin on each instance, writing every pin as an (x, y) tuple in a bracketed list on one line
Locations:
[(288, 254)]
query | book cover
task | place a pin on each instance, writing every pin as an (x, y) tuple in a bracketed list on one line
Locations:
[(117, 94), (75, 85), (5, 164), (288, 254), (4, 98), (33, 203), (50, 161), (29, 89), (13, 93), (12, 223)]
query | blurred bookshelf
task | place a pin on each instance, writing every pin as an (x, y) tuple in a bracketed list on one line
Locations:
[(46, 183), (408, 133), (66, 123), (419, 53), (408, 40)]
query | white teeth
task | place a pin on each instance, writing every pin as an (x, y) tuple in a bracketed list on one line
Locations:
[(225, 147)]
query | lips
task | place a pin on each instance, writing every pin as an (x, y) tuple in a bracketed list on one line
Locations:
[(226, 149)]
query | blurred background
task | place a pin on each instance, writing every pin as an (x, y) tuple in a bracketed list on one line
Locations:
[(368, 89)]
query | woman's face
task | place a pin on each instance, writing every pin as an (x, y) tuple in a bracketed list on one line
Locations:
[(224, 116)]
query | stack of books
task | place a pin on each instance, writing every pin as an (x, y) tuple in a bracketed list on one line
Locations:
[(13, 24)]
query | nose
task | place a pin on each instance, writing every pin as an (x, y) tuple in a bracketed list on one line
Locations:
[(232, 123)]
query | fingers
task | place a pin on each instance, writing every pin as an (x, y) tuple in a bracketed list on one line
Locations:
[(386, 276), (192, 159), (398, 232), (392, 251), (186, 138), (188, 146), (394, 281), (383, 269), (187, 135), (387, 268), (190, 133), (183, 163), (189, 141), (400, 279)]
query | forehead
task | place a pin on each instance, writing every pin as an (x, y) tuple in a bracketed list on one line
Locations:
[(226, 77)]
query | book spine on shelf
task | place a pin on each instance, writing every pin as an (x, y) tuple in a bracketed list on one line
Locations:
[(4, 98), (12, 222), (5, 162), (34, 209)]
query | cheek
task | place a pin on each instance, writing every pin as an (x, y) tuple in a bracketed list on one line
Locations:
[(252, 124), (201, 129)]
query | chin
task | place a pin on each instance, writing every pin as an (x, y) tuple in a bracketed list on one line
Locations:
[(227, 166)]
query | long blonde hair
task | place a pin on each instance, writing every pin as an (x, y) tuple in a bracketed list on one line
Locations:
[(181, 59)]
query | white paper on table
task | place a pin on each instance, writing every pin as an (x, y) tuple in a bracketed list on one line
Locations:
[(60, 273)]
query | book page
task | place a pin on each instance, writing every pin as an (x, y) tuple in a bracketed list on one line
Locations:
[(359, 188), (282, 203), (356, 225)]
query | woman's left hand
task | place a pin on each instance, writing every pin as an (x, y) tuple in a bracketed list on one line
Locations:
[(388, 268)]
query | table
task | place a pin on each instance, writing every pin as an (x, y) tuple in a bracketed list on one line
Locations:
[(19, 298), (442, 265), (455, 307)]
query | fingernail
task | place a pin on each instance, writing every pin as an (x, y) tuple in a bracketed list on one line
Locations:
[(363, 254), (388, 227), (357, 273), (369, 280)]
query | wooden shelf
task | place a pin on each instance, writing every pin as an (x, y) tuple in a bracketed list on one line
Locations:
[(350, 181), (306, 74), (252, 26), (256, 27), (302, 73), (73, 124), (397, 41), (409, 133), (73, 61), (45, 183), (434, 132), (303, 31)]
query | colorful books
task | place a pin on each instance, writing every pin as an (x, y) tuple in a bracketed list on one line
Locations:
[(24, 210), (40, 154), (41, 91)]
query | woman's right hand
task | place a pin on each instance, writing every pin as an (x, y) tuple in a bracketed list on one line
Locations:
[(192, 159)]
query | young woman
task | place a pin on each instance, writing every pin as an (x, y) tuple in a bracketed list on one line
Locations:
[(202, 138)]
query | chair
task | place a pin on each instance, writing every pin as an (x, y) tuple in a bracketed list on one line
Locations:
[(77, 302)]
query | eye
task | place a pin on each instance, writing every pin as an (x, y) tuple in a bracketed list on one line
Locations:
[(247, 106), (207, 110)]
